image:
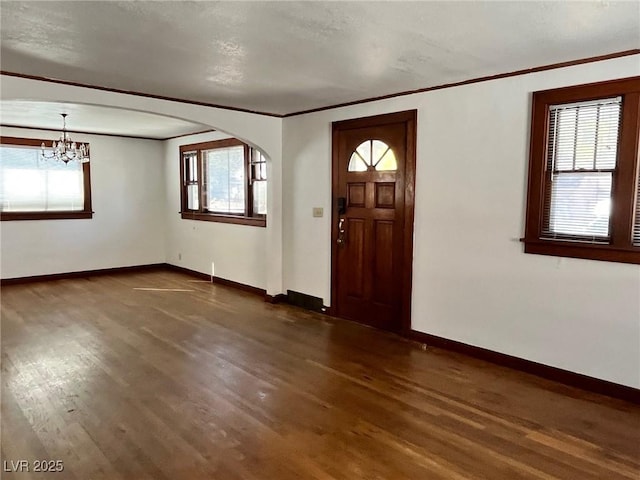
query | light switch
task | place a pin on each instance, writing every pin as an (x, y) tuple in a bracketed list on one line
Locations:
[(318, 211)]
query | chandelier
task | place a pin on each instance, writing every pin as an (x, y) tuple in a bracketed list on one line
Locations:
[(65, 150)]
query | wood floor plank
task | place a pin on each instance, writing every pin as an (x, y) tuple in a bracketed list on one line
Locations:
[(153, 376)]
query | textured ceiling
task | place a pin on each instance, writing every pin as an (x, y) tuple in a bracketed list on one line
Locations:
[(284, 57)]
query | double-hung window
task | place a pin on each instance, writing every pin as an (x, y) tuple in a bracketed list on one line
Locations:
[(584, 173), (34, 188), (223, 181)]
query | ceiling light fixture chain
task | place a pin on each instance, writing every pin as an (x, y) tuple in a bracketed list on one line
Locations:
[(66, 150)]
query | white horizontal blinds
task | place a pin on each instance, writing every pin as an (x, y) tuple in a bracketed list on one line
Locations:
[(31, 184), (636, 223), (582, 150)]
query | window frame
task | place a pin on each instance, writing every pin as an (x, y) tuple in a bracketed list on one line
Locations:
[(620, 247), (86, 211), (249, 217)]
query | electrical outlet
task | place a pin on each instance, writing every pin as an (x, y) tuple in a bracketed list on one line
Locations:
[(318, 211), (179, 256)]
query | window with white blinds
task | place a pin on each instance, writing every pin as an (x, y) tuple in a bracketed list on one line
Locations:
[(33, 188), (581, 160), (583, 198)]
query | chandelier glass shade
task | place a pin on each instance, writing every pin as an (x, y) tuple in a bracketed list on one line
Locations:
[(65, 150)]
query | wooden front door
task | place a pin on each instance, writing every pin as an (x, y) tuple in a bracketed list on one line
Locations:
[(372, 234)]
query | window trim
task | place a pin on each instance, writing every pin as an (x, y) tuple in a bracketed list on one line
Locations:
[(249, 218), (620, 248), (86, 211)]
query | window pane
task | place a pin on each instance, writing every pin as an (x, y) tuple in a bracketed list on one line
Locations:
[(193, 202), (582, 138), (388, 162), (607, 141), (225, 182), (193, 168), (29, 184), (564, 123), (372, 153), (260, 198), (356, 163), (379, 149), (580, 205), (364, 149), (258, 165), (587, 120), (190, 160)]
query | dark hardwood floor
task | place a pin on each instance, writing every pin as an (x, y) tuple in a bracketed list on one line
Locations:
[(120, 381)]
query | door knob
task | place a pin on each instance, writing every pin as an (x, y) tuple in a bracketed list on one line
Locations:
[(341, 232)]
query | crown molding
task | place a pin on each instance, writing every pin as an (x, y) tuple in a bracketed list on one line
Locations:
[(526, 71), (134, 93), (486, 78)]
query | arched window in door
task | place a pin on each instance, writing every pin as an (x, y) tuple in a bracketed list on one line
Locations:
[(372, 155)]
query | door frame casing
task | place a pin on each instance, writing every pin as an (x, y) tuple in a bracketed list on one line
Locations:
[(409, 117)]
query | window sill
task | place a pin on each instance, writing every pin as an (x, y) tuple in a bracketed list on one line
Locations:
[(589, 251), (66, 215), (214, 217)]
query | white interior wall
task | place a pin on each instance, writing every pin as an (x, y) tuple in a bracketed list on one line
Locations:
[(472, 283), (262, 131), (127, 228), (471, 280), (238, 251)]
